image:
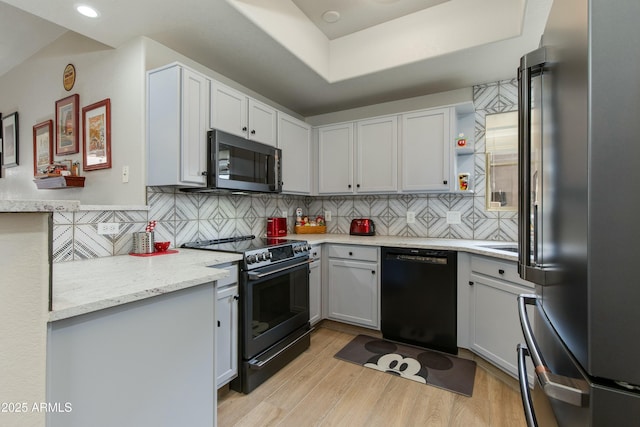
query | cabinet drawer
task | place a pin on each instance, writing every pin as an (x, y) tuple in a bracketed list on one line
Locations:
[(503, 270), (363, 253), (233, 275)]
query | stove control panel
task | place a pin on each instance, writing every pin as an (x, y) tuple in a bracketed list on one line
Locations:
[(273, 254)]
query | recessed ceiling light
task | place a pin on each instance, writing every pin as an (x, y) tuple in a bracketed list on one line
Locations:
[(331, 16), (87, 11)]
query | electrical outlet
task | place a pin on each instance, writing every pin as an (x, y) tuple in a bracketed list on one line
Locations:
[(327, 215), (284, 214), (411, 217), (125, 174), (108, 228), (454, 217)]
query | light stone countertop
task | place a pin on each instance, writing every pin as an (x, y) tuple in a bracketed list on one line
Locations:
[(39, 205), (81, 287), (85, 286), (479, 247)]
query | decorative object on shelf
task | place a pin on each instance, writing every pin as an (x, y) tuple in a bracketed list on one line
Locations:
[(463, 181), (10, 142), (42, 146), (67, 125), (69, 77), (96, 122), (461, 141)]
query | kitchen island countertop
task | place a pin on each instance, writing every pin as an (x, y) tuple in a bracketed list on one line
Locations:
[(85, 286)]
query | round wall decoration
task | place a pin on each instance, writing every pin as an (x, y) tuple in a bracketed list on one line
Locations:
[(69, 77)]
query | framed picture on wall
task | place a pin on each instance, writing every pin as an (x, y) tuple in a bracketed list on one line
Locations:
[(96, 125), (67, 125), (10, 144), (42, 146)]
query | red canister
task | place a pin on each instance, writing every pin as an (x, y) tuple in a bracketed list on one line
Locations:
[(276, 227)]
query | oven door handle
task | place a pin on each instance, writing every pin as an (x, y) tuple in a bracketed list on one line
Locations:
[(257, 364), (254, 275)]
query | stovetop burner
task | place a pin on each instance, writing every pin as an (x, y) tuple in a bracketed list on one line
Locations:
[(258, 252)]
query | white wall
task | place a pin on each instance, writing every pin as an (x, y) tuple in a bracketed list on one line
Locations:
[(33, 87)]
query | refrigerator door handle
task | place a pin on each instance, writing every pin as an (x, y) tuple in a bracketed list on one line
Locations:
[(529, 413), (530, 65), (569, 390)]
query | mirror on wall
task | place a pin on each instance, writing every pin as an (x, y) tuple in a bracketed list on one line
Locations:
[(501, 136)]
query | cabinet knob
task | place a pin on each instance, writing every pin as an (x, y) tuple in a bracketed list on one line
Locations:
[(470, 283), (500, 271), (350, 253), (244, 129), (236, 297), (445, 182), (349, 185), (218, 323), (373, 272), (358, 186), (253, 131), (203, 173)]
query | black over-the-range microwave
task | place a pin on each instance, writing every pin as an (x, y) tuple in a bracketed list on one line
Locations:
[(240, 164)]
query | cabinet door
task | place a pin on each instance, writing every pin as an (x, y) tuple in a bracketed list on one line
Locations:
[(226, 335), (494, 323), (177, 124), (294, 139), (228, 109), (353, 292), (195, 111), (335, 159), (377, 155), (425, 150), (315, 292), (262, 123)]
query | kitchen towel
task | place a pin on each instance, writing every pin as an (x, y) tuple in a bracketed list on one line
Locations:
[(414, 363)]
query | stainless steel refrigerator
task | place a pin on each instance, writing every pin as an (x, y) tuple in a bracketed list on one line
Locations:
[(579, 216)]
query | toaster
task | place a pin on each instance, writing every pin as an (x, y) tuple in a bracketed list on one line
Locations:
[(362, 227)]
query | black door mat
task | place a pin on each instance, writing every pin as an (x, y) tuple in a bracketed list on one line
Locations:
[(418, 364)]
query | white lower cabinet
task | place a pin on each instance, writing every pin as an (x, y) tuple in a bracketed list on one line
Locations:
[(494, 325), (353, 285), (227, 328)]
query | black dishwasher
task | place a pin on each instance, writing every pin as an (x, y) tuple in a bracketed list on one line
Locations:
[(419, 297)]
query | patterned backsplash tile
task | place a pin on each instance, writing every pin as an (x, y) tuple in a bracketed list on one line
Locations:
[(183, 217)]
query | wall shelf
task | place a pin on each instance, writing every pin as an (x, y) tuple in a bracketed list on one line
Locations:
[(57, 182)]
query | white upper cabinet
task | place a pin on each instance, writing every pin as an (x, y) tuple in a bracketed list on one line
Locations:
[(294, 139), (177, 125), (335, 159), (377, 155), (425, 150), (358, 157), (262, 122), (236, 113)]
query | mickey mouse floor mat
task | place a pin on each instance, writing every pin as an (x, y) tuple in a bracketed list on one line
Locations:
[(414, 363)]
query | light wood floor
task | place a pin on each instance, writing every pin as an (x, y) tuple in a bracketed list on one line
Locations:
[(317, 389)]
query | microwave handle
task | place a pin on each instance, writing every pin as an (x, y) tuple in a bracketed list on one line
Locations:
[(277, 173)]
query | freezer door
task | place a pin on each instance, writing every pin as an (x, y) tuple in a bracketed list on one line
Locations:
[(564, 394)]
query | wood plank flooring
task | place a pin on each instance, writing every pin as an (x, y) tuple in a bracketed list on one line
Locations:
[(317, 389)]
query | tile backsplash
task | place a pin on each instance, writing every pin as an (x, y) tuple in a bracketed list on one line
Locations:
[(184, 217)]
